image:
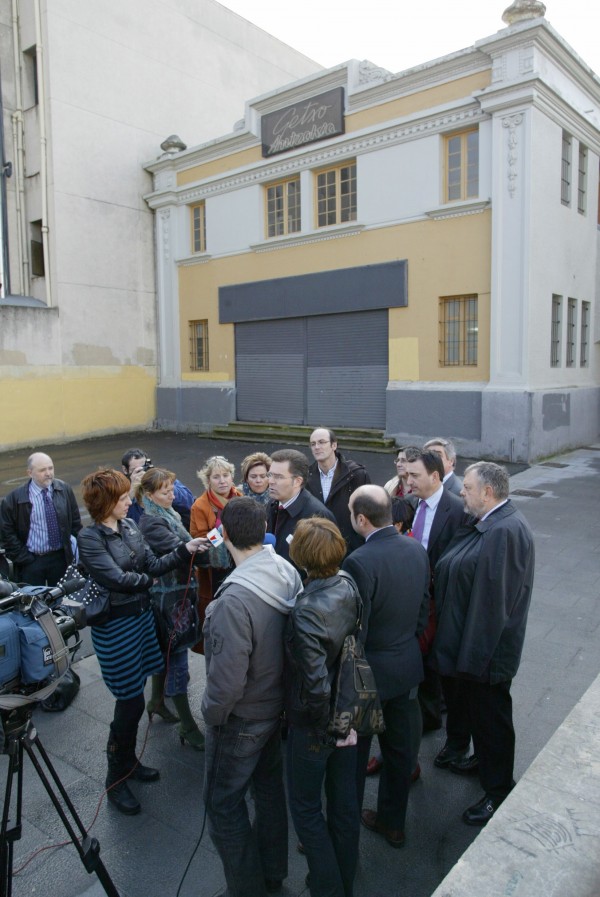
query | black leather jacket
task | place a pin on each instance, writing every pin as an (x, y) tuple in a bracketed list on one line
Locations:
[(122, 562), (325, 613), (15, 518)]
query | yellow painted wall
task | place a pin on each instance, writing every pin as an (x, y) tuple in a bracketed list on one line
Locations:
[(449, 257), (45, 404), (420, 101), (219, 166)]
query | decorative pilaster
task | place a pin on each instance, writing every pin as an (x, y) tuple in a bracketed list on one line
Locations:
[(512, 122)]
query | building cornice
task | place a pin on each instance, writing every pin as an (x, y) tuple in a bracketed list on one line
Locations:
[(458, 209), (445, 118)]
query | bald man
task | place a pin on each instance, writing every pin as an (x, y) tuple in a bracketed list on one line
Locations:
[(392, 575), (37, 521)]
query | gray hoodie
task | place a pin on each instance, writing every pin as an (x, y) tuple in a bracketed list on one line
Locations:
[(243, 639)]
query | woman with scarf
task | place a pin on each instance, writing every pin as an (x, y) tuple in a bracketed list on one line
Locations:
[(174, 596), (255, 477), (216, 476)]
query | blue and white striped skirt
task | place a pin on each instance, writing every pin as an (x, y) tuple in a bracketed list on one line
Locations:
[(128, 652)]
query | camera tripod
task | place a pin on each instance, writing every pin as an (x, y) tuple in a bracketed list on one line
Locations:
[(20, 736)]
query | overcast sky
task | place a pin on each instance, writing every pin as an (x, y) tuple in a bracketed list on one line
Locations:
[(396, 34)]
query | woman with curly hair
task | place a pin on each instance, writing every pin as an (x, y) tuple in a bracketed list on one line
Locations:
[(255, 477)]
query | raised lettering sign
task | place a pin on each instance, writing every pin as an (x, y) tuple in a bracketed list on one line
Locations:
[(305, 122)]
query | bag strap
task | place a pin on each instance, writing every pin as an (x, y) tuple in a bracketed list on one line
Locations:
[(359, 603), (60, 655)]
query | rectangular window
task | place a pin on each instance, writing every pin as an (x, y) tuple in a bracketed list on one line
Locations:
[(199, 228), (283, 208), (585, 331), (336, 195), (38, 267), (555, 332), (565, 177), (571, 331), (458, 331), (462, 166), (199, 345), (582, 180), (30, 78)]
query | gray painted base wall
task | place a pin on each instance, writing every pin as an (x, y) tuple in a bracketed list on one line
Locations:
[(196, 408), (500, 425)]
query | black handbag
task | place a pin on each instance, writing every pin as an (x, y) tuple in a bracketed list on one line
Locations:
[(355, 701), (94, 599)]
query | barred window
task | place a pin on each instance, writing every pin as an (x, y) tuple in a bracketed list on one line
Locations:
[(584, 335), (582, 180), (555, 332), (459, 331), (565, 182), (462, 166), (198, 227), (336, 195), (199, 345), (283, 208), (571, 331)]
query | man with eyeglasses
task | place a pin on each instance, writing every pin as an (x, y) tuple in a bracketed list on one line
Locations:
[(445, 449), (332, 480), (290, 501)]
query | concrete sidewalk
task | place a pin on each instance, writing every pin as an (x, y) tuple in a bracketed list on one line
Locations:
[(147, 854)]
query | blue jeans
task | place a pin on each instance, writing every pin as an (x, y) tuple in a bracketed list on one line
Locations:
[(240, 754), (331, 846), (177, 678)]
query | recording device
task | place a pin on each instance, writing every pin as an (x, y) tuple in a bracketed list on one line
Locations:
[(147, 465), (38, 638)]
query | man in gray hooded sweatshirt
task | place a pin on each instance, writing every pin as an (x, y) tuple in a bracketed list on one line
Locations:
[(242, 705)]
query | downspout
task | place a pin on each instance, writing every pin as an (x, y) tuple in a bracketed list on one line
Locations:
[(5, 171), (19, 161), (43, 148)]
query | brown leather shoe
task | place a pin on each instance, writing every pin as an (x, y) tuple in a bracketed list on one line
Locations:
[(394, 836)]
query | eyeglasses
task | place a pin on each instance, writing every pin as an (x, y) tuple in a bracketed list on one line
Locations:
[(279, 477), (320, 442)]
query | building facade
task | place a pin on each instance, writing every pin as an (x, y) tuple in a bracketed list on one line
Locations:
[(413, 252), (88, 93)]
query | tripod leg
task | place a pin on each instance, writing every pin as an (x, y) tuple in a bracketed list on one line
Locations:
[(9, 836), (87, 848)]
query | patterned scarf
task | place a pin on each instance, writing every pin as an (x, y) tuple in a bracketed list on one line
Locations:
[(263, 498)]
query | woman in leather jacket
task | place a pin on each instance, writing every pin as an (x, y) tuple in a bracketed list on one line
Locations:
[(326, 611), (113, 551)]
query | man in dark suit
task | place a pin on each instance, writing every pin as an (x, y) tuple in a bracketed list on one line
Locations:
[(438, 515), (291, 502), (37, 521), (392, 574)]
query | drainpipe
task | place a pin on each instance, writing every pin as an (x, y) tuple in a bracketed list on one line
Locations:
[(43, 147), (5, 172), (19, 163)]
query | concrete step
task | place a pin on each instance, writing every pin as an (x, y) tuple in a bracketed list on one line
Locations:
[(295, 434)]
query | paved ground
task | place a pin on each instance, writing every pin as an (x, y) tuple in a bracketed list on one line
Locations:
[(147, 854)]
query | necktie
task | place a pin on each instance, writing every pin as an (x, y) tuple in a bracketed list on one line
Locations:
[(280, 518), (54, 538), (419, 521)]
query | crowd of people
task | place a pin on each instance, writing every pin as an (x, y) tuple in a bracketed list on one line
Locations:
[(267, 578)]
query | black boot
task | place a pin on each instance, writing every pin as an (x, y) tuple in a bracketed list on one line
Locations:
[(136, 768), (117, 789)]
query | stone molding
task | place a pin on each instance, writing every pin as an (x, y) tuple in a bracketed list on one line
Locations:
[(511, 123)]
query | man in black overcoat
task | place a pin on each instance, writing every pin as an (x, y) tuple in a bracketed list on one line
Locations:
[(483, 585), (392, 575)]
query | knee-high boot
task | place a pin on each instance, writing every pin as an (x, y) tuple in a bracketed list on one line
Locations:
[(117, 790), (188, 728), (156, 704)]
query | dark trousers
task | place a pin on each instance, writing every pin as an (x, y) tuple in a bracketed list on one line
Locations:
[(43, 569), (396, 749), (239, 755), (490, 716), (331, 846), (458, 728), (430, 699)]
